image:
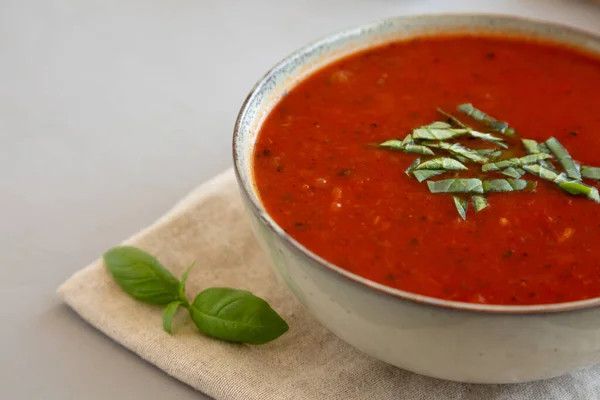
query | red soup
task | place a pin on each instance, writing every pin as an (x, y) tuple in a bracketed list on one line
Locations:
[(486, 224)]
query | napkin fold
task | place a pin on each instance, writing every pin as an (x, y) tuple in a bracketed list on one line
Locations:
[(308, 362)]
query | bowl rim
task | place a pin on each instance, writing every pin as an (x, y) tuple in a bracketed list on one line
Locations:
[(246, 188)]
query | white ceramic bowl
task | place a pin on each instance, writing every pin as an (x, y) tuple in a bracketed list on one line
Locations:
[(444, 339)]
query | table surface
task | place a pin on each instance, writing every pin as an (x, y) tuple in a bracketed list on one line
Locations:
[(110, 111)]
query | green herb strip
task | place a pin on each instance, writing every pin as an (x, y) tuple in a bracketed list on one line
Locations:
[(412, 166), (427, 133), (515, 162), (470, 185), (461, 206), (444, 163), (590, 172), (564, 158), (398, 145), (514, 172), (479, 202), (578, 188), (425, 174), (533, 147), (490, 122), (507, 185), (453, 120), (458, 150)]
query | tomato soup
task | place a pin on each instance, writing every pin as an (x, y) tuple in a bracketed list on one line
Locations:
[(323, 177)]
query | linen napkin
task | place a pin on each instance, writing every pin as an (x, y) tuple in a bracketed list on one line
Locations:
[(308, 362)]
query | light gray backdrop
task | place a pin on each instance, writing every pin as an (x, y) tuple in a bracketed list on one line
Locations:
[(110, 111)]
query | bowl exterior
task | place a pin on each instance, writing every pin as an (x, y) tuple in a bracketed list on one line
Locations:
[(442, 342)]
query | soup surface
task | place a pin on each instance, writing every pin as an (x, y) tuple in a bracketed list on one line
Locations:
[(322, 180)]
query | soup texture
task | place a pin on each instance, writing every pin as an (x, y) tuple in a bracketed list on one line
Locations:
[(323, 178)]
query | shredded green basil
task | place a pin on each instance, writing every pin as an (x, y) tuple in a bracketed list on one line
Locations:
[(446, 136)]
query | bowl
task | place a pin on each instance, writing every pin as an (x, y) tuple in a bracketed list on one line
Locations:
[(444, 339)]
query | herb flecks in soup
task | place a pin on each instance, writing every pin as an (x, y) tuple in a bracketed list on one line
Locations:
[(322, 176), (436, 136)]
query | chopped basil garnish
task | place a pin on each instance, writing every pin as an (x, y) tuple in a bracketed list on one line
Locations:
[(507, 185), (461, 206), (564, 158), (448, 164), (590, 172), (470, 185), (425, 174), (479, 202), (447, 136)]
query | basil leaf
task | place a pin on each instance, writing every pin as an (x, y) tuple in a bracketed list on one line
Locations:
[(141, 276), (168, 315), (236, 315)]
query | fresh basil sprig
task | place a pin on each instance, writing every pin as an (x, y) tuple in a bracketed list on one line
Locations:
[(228, 314)]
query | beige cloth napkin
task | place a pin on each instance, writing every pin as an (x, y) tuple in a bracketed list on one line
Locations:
[(308, 362)]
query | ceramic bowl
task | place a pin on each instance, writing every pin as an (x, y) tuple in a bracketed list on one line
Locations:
[(444, 339)]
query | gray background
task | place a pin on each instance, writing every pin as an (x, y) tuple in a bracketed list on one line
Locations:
[(110, 111)]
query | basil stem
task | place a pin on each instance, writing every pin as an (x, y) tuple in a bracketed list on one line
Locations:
[(590, 172), (564, 158), (461, 206), (490, 122), (469, 185), (425, 174), (444, 163), (515, 162), (479, 202), (507, 185)]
